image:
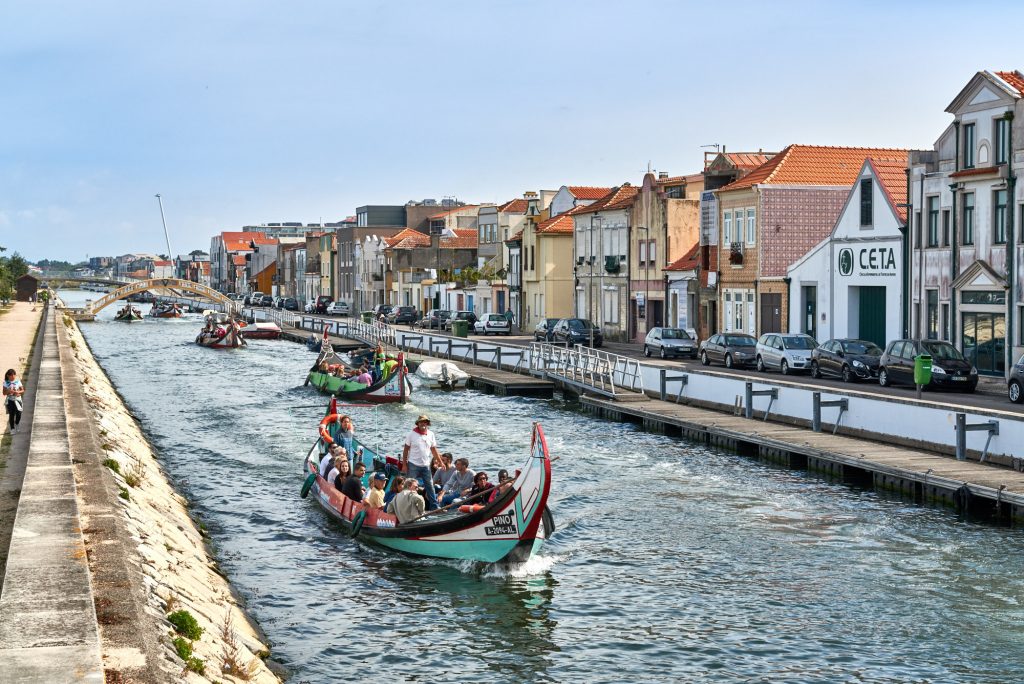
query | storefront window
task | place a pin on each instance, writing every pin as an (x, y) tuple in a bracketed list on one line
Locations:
[(933, 314), (993, 297)]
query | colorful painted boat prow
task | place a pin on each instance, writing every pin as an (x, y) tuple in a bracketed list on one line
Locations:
[(508, 530)]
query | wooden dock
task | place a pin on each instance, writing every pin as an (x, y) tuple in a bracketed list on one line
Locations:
[(971, 487)]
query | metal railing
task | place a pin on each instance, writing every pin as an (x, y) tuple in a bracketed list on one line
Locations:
[(600, 371)]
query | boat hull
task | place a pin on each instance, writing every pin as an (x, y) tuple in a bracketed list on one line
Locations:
[(261, 331), (395, 389), (507, 531)]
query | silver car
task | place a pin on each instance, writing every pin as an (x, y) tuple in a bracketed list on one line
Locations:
[(668, 342), (1016, 382), (786, 353)]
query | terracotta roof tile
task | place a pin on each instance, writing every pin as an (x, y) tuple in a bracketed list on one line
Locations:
[(674, 180), (1013, 78), (977, 171), (616, 198), (460, 242), (813, 165), (238, 259), (586, 192), (687, 262), (892, 177), (516, 237), (407, 239), (747, 160), (516, 206), (560, 224)]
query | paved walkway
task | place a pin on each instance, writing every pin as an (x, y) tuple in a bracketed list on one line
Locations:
[(17, 327)]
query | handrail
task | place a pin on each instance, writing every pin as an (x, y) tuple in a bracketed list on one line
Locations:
[(599, 370)]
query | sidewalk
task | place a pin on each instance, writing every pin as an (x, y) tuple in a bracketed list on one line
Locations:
[(17, 328)]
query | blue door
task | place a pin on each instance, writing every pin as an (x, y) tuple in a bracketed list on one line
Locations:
[(501, 301), (469, 303)]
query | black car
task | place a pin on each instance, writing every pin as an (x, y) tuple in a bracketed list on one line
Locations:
[(570, 331), (847, 359), (266, 300), (543, 331), (291, 304), (403, 314), (435, 318), (460, 316), (949, 367), (729, 349), (381, 310)]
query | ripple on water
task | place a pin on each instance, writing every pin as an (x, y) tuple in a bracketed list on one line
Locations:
[(672, 562)]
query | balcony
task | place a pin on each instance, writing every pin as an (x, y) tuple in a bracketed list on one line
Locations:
[(378, 276), (736, 253), (611, 264)]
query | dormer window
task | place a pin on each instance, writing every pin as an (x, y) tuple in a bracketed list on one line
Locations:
[(968, 146), (866, 208)]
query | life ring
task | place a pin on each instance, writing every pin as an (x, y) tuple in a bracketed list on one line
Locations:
[(357, 523), (307, 485), (325, 435), (470, 508)]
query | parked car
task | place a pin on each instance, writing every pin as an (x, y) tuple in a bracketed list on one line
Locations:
[(1016, 382), (291, 304), (322, 302), (544, 331), (784, 352), (434, 318), (279, 302), (461, 316), (309, 306), (949, 367), (670, 342), (253, 299), (570, 331), (729, 349), (381, 310), (403, 314), (847, 359), (493, 324), (338, 308), (266, 300)]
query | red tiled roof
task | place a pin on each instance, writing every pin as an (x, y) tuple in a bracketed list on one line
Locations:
[(454, 210), (460, 242), (1014, 78), (162, 263), (235, 241), (747, 160), (238, 259), (516, 206), (978, 171), (561, 224), (814, 165), (587, 192), (407, 239), (617, 198), (516, 237), (464, 232), (674, 180), (687, 262), (892, 177)]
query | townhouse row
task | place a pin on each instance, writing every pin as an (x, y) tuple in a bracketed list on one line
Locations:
[(872, 243)]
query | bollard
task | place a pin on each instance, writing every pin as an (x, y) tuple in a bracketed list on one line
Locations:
[(842, 404), (475, 350), (664, 379), (497, 357), (748, 408), (963, 427)]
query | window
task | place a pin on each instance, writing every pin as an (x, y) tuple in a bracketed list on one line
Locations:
[(968, 146), (933, 314), (917, 230), (967, 233), (865, 202), (945, 227), (643, 251), (652, 250), (751, 227), (989, 297), (1002, 127), (727, 228), (945, 321), (933, 221), (999, 218)]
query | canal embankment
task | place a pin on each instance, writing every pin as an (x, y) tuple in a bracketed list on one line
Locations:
[(126, 549)]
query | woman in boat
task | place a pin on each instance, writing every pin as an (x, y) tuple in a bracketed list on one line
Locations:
[(480, 485), (397, 485), (341, 470)]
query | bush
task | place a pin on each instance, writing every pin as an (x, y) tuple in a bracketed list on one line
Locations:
[(124, 494), (197, 665), (183, 647), (113, 465), (185, 623)]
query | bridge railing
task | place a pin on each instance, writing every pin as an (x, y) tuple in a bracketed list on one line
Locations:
[(601, 371)]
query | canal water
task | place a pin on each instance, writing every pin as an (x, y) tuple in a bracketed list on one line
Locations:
[(671, 561)]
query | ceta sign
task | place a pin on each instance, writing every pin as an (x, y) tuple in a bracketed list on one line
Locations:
[(871, 261)]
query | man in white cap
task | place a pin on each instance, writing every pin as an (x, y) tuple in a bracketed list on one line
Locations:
[(419, 452)]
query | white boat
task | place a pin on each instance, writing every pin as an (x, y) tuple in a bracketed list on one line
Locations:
[(441, 374)]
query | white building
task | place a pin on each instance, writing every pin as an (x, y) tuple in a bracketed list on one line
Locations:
[(856, 274), (966, 240)]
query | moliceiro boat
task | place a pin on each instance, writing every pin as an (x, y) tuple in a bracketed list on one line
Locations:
[(331, 375), (220, 332), (128, 313), (510, 529), (165, 311)]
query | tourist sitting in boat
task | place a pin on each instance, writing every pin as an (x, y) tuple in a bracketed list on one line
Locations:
[(334, 452), (480, 485), (442, 474), (397, 487), (504, 484), (341, 470), (352, 486), (364, 377), (459, 483), (408, 505), (375, 497)]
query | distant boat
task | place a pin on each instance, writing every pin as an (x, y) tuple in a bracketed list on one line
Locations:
[(327, 375), (441, 374), (220, 332), (128, 313), (261, 331), (165, 311)]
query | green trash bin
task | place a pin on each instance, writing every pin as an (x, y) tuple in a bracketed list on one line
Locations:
[(922, 369), (460, 328), (367, 316)]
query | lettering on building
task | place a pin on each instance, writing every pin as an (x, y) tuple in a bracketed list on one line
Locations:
[(867, 261)]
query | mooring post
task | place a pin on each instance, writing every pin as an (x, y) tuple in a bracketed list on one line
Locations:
[(961, 436), (816, 414), (748, 401), (497, 356), (474, 353)]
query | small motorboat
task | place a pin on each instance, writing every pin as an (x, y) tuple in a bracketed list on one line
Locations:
[(165, 311), (220, 332), (508, 530), (261, 331), (441, 375), (128, 313)]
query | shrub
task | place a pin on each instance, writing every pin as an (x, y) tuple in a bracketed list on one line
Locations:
[(185, 623), (112, 464), (183, 647), (197, 665), (124, 494)]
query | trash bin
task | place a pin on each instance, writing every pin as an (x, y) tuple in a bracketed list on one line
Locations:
[(460, 328), (922, 369), (367, 316)]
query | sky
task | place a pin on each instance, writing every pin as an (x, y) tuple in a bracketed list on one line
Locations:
[(242, 113)]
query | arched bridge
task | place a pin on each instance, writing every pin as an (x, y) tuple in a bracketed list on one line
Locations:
[(160, 284)]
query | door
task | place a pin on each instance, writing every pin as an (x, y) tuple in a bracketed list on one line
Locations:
[(501, 301), (809, 324), (905, 370), (983, 339), (871, 315), (655, 312), (771, 312)]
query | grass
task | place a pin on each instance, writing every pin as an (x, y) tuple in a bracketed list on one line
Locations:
[(124, 494), (113, 465), (185, 624)]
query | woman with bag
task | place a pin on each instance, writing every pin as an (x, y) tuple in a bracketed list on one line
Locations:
[(13, 392)]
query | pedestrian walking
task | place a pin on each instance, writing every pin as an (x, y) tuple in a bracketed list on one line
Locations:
[(13, 393), (418, 454)]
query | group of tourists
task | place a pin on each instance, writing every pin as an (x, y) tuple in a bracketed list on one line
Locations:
[(427, 479)]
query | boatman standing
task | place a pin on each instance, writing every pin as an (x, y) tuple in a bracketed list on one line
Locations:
[(419, 452)]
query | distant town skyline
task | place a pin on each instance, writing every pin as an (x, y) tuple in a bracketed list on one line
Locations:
[(241, 114)]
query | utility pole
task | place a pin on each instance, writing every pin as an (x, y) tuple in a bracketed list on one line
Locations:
[(164, 221)]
